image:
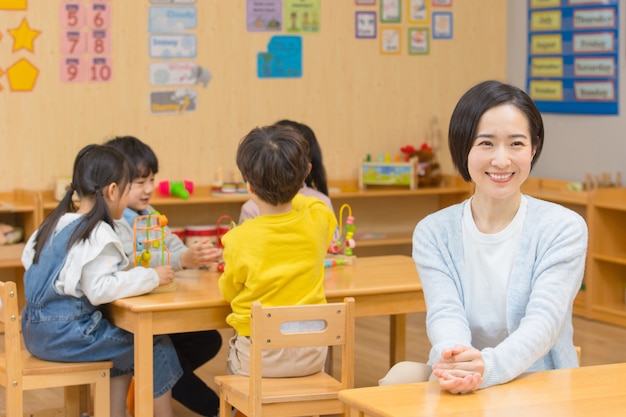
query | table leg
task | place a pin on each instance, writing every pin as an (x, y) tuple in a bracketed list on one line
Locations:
[(397, 339), (144, 386)]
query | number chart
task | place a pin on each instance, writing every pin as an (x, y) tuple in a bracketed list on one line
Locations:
[(85, 41)]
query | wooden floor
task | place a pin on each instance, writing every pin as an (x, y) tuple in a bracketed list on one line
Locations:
[(600, 343)]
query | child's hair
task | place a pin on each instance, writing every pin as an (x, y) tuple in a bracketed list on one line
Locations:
[(317, 177), (95, 168), (274, 160), (141, 157)]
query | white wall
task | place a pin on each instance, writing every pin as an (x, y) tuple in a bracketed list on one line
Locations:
[(574, 144)]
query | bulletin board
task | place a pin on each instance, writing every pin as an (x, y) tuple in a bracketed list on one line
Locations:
[(573, 56)]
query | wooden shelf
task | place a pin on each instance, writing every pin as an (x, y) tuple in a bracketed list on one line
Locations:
[(365, 240), (20, 208), (620, 260), (10, 255), (607, 262), (386, 217), (555, 191)]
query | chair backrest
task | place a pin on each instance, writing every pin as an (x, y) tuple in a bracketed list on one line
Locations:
[(302, 326), (9, 317)]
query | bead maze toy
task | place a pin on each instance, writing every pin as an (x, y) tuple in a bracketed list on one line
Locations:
[(221, 231), (340, 251), (154, 237)]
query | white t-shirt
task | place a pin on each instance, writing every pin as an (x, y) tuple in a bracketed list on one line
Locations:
[(488, 264)]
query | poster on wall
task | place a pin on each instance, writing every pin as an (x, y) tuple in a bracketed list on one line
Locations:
[(283, 58), (573, 50), (302, 16), (264, 15)]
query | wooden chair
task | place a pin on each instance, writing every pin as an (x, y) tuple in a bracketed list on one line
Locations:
[(20, 371), (284, 397)]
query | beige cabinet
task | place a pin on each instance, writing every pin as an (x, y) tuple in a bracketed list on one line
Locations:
[(385, 219), (607, 255), (20, 208)]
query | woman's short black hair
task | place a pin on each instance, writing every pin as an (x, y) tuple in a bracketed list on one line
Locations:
[(471, 107)]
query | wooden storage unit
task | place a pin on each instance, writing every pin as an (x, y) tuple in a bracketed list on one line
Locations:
[(386, 217), (556, 191), (22, 210), (607, 255), (201, 208)]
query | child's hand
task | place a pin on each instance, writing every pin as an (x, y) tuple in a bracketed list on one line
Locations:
[(166, 274), (202, 253)]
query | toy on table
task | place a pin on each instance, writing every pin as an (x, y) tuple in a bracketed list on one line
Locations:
[(221, 231), (180, 189), (340, 251), (154, 238)]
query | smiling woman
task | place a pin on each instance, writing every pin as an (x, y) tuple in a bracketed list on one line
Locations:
[(500, 270)]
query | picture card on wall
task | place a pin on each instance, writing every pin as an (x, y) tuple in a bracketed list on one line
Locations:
[(172, 19), (173, 101), (178, 73), (283, 58), (264, 15), (173, 46)]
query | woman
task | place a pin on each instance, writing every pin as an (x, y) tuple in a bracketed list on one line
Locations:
[(500, 270)]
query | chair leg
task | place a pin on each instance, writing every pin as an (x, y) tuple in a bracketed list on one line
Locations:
[(225, 409), (14, 401), (102, 396), (72, 400)]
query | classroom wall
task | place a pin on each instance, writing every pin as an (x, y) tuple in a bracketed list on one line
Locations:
[(357, 100), (574, 144)]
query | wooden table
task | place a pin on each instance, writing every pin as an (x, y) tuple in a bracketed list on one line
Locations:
[(382, 285), (596, 391)]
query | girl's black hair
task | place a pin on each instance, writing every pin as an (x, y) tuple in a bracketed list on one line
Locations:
[(317, 176), (143, 160), (95, 168)]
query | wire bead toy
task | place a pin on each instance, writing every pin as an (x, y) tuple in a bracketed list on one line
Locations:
[(155, 234), (341, 247)]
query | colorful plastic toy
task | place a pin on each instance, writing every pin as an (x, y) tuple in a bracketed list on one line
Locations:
[(180, 189), (154, 237), (341, 247)]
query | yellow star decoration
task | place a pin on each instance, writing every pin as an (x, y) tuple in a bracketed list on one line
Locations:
[(24, 37)]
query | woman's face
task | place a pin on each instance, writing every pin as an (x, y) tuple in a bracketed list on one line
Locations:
[(500, 158)]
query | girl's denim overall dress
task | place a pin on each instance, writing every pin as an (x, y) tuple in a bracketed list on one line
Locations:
[(63, 328)]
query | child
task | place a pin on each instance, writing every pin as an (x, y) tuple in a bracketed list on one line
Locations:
[(75, 263), (276, 258), (315, 183), (196, 348)]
